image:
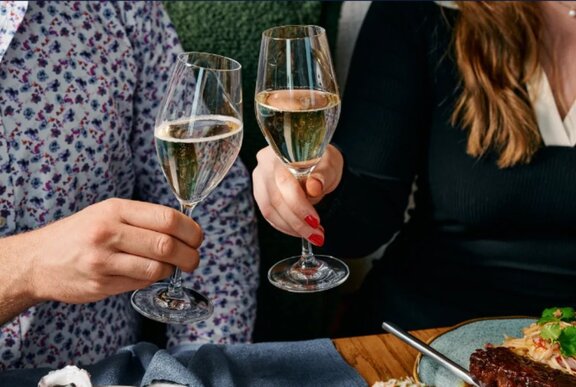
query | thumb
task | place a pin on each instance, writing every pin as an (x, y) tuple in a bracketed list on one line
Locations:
[(314, 186)]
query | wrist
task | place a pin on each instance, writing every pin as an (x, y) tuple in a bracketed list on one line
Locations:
[(16, 271)]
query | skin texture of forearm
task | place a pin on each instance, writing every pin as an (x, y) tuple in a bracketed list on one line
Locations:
[(11, 307), (15, 294)]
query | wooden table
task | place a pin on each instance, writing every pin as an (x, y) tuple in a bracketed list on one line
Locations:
[(381, 357)]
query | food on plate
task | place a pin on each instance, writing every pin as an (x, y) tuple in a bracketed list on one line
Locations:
[(544, 356), (551, 340), (501, 367), (404, 382)]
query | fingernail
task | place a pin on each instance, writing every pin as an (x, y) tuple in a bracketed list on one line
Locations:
[(316, 239), (312, 221)]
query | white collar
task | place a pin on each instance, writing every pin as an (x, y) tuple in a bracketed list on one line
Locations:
[(447, 4), (553, 129)]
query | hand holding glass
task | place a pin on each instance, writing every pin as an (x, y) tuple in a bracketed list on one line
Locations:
[(297, 107), (198, 136)]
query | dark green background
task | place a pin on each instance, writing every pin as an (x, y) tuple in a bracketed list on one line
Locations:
[(233, 29)]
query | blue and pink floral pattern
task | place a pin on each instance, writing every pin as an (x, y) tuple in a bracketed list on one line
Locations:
[(80, 82)]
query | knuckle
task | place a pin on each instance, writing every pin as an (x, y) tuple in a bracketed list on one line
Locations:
[(276, 200), (100, 287), (261, 155), (300, 228), (167, 218), (153, 271), (165, 246), (283, 178), (267, 211), (97, 233), (94, 263), (113, 204)]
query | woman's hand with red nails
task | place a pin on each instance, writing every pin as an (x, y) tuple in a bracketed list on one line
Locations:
[(283, 201)]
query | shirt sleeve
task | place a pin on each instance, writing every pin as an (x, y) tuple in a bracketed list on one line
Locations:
[(380, 132), (229, 255)]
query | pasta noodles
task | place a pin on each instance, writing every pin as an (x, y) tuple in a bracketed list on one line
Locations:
[(541, 350)]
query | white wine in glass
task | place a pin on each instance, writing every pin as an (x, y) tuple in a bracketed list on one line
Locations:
[(297, 106), (198, 135)]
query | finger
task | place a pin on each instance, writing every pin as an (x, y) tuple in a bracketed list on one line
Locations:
[(262, 197), (158, 218), (139, 268), (279, 223), (121, 284), (282, 223), (160, 247), (270, 179), (270, 200), (291, 203), (314, 186), (327, 174), (289, 191)]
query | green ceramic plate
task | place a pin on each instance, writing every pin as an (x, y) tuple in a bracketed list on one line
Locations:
[(459, 342)]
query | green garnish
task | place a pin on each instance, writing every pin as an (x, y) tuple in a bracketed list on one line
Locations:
[(567, 341), (557, 314), (565, 337), (551, 332)]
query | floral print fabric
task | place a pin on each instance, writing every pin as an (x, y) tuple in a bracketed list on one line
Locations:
[(80, 82), (11, 15)]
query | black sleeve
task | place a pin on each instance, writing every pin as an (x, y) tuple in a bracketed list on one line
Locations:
[(381, 128)]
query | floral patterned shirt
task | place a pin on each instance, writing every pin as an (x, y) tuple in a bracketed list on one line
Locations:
[(80, 83)]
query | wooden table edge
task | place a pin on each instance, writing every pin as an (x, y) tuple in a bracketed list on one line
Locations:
[(381, 357)]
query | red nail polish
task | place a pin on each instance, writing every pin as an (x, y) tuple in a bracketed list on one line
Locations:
[(316, 239), (312, 221)]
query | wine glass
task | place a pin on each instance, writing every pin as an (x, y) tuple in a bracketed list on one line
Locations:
[(198, 135), (297, 107)]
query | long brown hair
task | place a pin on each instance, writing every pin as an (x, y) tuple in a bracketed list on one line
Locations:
[(496, 46)]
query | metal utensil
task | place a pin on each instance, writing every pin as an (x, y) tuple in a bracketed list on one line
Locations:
[(427, 350)]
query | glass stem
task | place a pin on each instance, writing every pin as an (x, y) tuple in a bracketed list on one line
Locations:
[(175, 285), (307, 259)]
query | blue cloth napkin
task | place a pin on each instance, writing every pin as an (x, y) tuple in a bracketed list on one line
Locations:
[(299, 363)]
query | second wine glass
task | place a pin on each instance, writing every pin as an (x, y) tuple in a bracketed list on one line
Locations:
[(297, 107), (198, 136)]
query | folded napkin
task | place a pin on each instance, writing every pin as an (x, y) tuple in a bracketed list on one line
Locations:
[(299, 363)]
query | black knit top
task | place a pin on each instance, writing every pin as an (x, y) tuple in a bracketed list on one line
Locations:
[(481, 241)]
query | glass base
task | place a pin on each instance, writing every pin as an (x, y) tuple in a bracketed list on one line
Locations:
[(330, 273), (154, 303)]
